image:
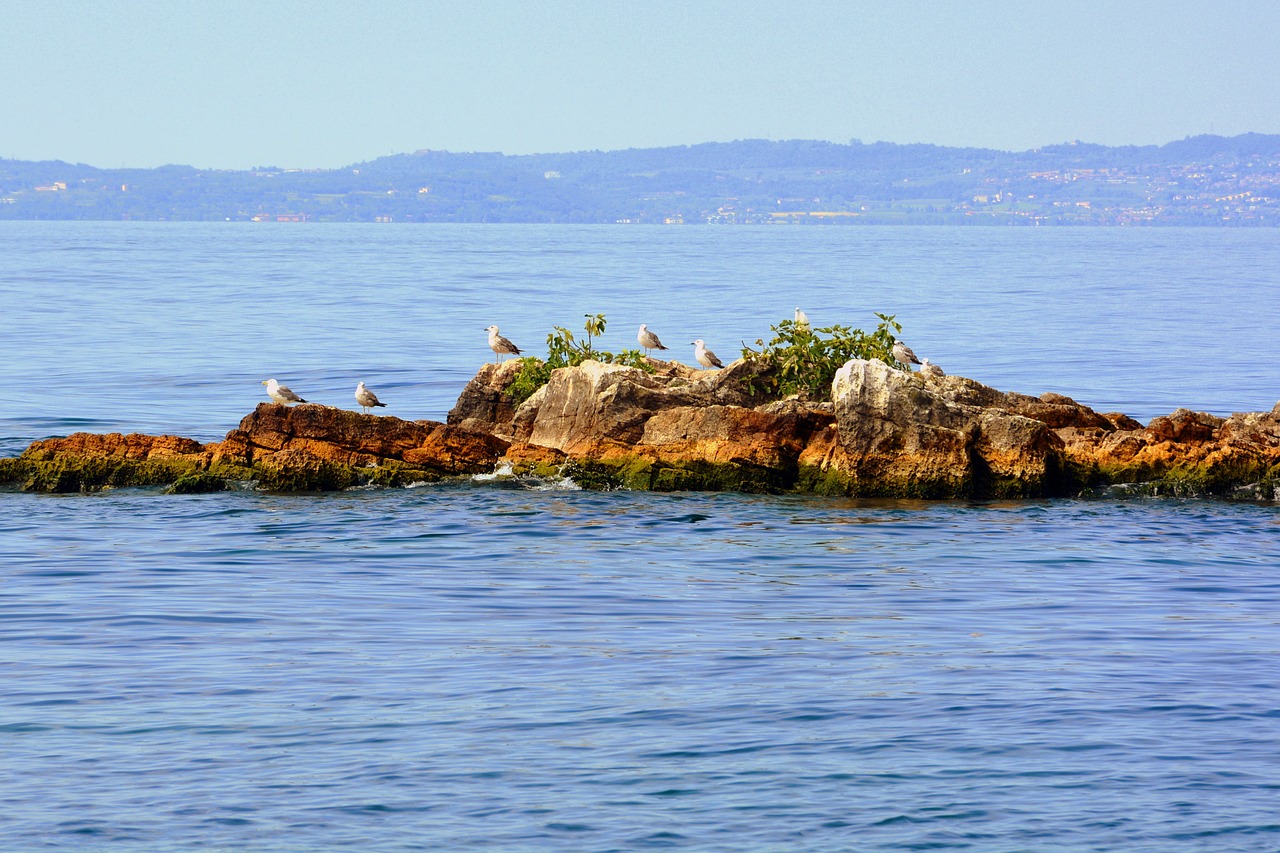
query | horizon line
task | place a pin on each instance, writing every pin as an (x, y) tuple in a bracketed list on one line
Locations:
[(852, 143)]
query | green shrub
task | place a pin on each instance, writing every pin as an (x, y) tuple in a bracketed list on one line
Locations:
[(804, 361), (563, 350)]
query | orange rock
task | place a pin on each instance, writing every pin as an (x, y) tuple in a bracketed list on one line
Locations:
[(884, 432), (134, 446), (731, 434), (352, 438), (533, 455)]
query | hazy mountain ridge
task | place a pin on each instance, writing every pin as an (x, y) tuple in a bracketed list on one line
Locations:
[(1202, 180)]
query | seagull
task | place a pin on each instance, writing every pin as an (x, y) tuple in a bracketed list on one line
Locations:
[(500, 345), (281, 393), (648, 339), (802, 319), (366, 398), (931, 370), (705, 356), (903, 353)]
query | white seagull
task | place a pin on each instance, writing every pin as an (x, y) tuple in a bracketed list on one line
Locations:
[(500, 345), (366, 398), (281, 393), (802, 319), (903, 353), (648, 339), (705, 356), (931, 370)]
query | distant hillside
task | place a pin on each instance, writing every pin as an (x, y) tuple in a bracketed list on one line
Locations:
[(1202, 180)]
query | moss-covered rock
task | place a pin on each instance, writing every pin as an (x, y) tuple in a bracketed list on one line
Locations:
[(814, 479), (593, 475), (394, 475), (92, 474), (198, 484), (12, 471)]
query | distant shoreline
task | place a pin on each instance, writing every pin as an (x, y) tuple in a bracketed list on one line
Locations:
[(1203, 181)]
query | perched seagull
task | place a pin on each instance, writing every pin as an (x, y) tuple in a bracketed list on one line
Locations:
[(802, 319), (366, 398), (281, 393), (648, 339), (931, 370), (500, 345), (705, 356), (903, 353)]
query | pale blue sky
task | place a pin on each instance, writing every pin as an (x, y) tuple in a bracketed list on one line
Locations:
[(319, 83)]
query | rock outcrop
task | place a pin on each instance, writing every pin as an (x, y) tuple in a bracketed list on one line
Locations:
[(303, 448), (683, 429), (883, 432), (484, 404), (900, 434), (273, 433)]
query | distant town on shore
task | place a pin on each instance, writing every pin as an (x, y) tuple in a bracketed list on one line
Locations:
[(1198, 181)]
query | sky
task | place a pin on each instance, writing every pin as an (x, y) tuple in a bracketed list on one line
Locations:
[(232, 84)]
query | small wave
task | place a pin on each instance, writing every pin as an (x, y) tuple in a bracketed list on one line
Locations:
[(504, 473), (1259, 492), (501, 470), (558, 484)]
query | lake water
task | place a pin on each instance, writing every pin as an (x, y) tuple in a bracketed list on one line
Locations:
[(482, 665)]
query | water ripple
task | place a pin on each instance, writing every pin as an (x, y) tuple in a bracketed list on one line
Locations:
[(488, 665)]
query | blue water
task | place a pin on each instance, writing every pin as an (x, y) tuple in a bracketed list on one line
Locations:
[(484, 665)]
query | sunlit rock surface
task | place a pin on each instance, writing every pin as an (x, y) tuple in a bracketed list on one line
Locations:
[(882, 432)]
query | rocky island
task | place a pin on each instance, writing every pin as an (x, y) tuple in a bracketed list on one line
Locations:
[(881, 432)]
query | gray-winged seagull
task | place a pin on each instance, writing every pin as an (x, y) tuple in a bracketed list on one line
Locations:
[(648, 339), (281, 393), (500, 345), (705, 356), (903, 353), (366, 398)]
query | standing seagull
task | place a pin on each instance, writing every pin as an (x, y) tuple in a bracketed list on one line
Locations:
[(705, 356), (648, 339), (500, 345), (802, 319), (366, 398), (903, 353), (931, 370), (281, 393)]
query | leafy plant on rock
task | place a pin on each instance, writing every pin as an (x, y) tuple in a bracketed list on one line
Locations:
[(800, 360), (563, 350)]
